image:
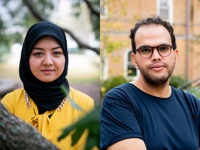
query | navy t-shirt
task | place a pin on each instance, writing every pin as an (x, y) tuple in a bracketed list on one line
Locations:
[(162, 123)]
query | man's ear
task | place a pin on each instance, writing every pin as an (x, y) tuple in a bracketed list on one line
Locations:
[(133, 59), (176, 56)]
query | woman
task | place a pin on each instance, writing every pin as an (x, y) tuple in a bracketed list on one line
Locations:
[(43, 68)]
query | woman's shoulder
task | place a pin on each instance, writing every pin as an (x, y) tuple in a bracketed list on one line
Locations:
[(11, 99), (80, 98), (16, 93)]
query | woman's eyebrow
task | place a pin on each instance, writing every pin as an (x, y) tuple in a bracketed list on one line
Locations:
[(56, 48), (37, 48)]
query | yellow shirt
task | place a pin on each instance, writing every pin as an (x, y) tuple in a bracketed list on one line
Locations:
[(51, 128)]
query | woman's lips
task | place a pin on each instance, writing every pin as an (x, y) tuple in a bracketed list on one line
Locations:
[(47, 71)]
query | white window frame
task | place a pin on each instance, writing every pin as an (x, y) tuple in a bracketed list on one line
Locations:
[(105, 16), (126, 65), (105, 69), (170, 19)]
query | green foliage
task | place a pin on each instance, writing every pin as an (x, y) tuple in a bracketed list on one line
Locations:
[(176, 81), (91, 122), (110, 83), (3, 53), (17, 21), (194, 91), (93, 18), (66, 93)]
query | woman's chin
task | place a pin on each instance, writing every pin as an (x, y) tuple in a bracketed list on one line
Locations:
[(47, 80)]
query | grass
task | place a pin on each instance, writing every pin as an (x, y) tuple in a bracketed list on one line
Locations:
[(76, 74), (9, 71)]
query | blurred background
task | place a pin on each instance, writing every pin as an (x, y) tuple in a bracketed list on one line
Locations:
[(80, 19), (119, 16)]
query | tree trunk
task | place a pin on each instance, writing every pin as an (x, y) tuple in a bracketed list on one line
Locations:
[(15, 134)]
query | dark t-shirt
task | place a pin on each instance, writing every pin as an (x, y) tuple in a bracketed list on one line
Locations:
[(162, 123)]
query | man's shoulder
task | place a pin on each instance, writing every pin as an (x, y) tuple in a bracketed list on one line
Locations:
[(119, 93), (123, 87), (191, 99), (120, 90), (184, 92)]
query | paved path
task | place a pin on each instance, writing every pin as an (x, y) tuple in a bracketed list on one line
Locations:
[(91, 89), (6, 86)]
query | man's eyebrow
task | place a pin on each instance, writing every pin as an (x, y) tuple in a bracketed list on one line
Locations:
[(154, 46)]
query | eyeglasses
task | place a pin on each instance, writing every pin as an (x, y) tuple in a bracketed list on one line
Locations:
[(147, 51)]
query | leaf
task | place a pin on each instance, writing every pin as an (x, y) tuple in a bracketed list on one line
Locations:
[(66, 131), (76, 135), (74, 105), (66, 93), (91, 142), (64, 90), (91, 122)]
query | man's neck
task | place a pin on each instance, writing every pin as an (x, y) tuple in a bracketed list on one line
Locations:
[(162, 91)]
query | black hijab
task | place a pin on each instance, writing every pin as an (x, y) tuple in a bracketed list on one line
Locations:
[(46, 95)]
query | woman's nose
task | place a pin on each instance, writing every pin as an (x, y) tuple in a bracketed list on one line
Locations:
[(48, 60)]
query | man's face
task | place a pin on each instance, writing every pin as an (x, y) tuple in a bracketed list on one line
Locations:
[(155, 70)]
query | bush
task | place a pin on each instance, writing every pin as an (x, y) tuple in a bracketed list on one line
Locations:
[(176, 81), (110, 83), (194, 91)]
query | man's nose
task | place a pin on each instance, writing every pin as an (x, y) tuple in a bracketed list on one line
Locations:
[(155, 55), (47, 60)]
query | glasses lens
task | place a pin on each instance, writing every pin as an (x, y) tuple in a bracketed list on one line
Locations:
[(164, 50), (146, 52)]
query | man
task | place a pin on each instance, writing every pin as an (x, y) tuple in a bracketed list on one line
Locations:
[(147, 113)]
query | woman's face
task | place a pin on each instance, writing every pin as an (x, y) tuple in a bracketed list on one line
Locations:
[(47, 60)]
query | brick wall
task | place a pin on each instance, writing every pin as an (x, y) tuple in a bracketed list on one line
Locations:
[(118, 27)]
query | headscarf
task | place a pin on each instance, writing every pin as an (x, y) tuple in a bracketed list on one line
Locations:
[(46, 95)]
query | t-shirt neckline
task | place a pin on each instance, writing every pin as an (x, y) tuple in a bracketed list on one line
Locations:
[(155, 97)]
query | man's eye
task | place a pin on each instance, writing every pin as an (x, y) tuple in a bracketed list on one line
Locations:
[(164, 48), (145, 50)]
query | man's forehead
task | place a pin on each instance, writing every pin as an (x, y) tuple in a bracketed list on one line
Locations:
[(150, 26), (152, 29), (152, 35)]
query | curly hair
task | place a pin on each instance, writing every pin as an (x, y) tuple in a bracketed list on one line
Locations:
[(155, 20)]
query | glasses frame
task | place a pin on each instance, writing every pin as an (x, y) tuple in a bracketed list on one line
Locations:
[(157, 47)]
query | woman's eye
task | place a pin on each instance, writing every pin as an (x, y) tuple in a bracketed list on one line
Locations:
[(38, 54), (57, 53)]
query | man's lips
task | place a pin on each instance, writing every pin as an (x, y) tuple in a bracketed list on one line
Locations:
[(157, 67)]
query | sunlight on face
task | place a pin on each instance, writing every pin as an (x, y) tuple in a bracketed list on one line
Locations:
[(47, 60), (156, 69)]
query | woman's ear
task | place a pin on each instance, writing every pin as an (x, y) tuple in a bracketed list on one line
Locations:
[(133, 59)]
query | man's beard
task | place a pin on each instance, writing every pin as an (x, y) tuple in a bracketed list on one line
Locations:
[(154, 79)]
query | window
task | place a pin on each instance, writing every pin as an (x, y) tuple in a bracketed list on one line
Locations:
[(131, 70), (165, 9), (103, 9)]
